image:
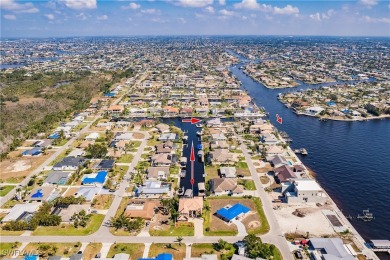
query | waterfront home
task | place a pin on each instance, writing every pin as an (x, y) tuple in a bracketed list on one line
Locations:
[(157, 173), (228, 172), (168, 137), (315, 110), (274, 150), (218, 137), (225, 186), (170, 111), (164, 159), (69, 163), (162, 128), (284, 175), (167, 147), (278, 160), (330, 248), (304, 191), (222, 156), (269, 139), (145, 209), (152, 189), (21, 212), (190, 208), (218, 144)]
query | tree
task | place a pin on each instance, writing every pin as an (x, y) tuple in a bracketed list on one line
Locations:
[(97, 150), (256, 248), (179, 239)]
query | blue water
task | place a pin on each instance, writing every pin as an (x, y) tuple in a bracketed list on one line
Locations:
[(351, 159)]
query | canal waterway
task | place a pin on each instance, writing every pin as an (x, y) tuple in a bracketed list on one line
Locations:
[(351, 159)]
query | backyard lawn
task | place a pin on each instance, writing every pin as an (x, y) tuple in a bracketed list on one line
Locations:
[(69, 230), (178, 252), (63, 249), (7, 248), (134, 250), (126, 158)]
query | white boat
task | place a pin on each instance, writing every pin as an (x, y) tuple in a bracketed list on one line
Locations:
[(199, 133), (199, 125)]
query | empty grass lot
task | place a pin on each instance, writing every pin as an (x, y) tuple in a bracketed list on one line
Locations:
[(178, 252), (134, 250), (69, 230)]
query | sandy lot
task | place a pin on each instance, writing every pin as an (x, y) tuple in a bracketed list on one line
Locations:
[(19, 167), (313, 222)]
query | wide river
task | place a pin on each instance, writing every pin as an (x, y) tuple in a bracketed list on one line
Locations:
[(351, 159)]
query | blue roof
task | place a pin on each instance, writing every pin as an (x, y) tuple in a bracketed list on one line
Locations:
[(199, 146), (31, 257), (110, 94), (99, 178), (38, 194), (233, 211), (54, 136), (33, 151), (164, 256)]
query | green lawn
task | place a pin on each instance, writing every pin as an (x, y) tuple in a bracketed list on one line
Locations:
[(198, 249), (10, 233), (178, 252), (264, 227), (179, 230), (134, 250), (242, 165), (64, 249), (211, 172), (5, 189), (126, 158), (7, 248), (69, 230), (248, 184)]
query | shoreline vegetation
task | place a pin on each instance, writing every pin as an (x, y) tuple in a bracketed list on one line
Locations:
[(325, 118)]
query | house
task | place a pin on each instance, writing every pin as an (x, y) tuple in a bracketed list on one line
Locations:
[(305, 191), (228, 172), (164, 159), (229, 213), (219, 156), (314, 110), (152, 189), (278, 160), (225, 186), (106, 164), (57, 178), (219, 144), (21, 212), (167, 147), (162, 128), (299, 168), (77, 153), (76, 257), (67, 212), (69, 163), (123, 136), (190, 208), (170, 111), (42, 194), (92, 136), (284, 175), (116, 109), (241, 257), (168, 137), (219, 137), (274, 150), (88, 192), (94, 178), (330, 248), (144, 209), (43, 143), (269, 139), (33, 152), (157, 173)]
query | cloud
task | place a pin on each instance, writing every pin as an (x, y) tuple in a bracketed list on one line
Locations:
[(9, 17), (151, 11), (80, 4), (209, 9), (316, 16), (132, 6), (102, 17), (369, 3), (182, 20), (11, 5), (49, 16), (323, 16), (81, 16), (248, 4), (194, 3), (222, 2), (376, 20), (225, 12), (288, 9)]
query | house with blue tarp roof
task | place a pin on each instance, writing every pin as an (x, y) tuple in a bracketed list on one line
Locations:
[(164, 256), (54, 136), (32, 152), (98, 178), (31, 257), (110, 94), (228, 213)]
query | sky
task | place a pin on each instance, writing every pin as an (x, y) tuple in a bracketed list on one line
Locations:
[(62, 18)]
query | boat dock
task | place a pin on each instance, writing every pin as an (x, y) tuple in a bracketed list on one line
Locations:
[(302, 151)]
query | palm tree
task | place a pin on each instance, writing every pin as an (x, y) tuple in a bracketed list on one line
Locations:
[(179, 239)]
